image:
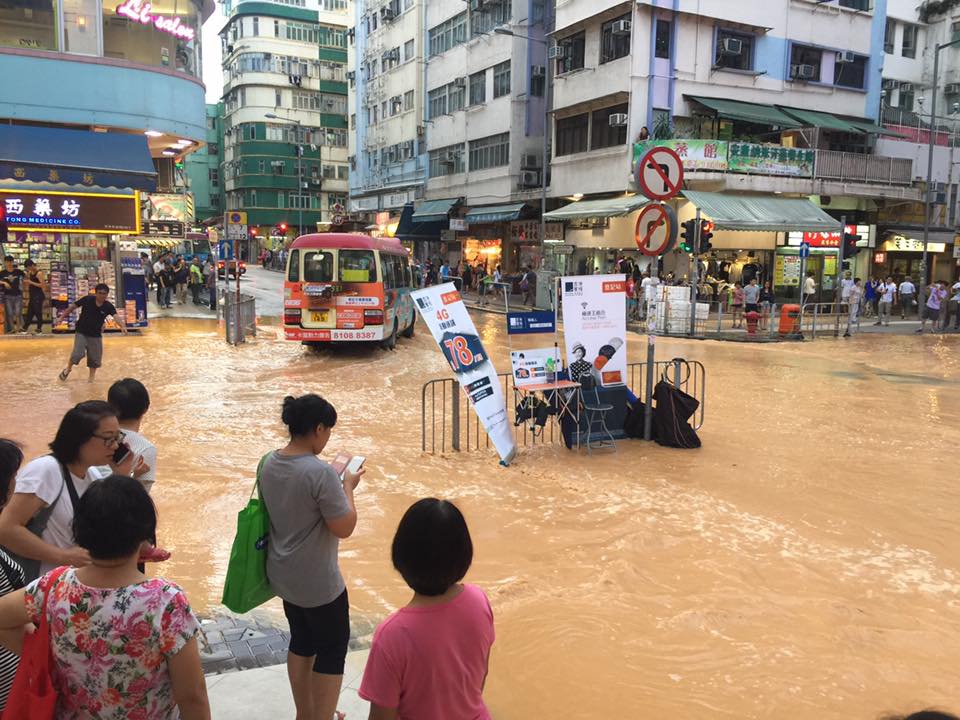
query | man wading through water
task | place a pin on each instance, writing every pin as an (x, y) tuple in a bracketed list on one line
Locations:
[(94, 310)]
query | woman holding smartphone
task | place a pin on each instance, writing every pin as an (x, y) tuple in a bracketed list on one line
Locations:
[(310, 509)]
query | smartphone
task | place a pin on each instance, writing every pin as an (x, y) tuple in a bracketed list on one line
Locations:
[(122, 451), (356, 463)]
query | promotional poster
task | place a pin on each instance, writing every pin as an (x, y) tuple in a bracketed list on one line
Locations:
[(444, 313), (595, 327), (534, 367)]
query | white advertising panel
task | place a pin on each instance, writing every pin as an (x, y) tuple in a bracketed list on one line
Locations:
[(444, 313), (595, 327), (534, 367)]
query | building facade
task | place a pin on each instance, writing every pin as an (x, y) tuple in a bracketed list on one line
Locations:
[(203, 169), (285, 116)]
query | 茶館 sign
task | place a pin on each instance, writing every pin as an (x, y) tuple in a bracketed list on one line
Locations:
[(49, 211)]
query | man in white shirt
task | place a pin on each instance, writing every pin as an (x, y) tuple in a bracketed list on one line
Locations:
[(809, 288), (649, 287), (853, 302), (908, 292), (845, 285), (157, 269), (887, 291), (131, 401)]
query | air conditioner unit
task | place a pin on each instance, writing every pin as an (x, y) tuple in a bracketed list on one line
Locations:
[(906, 87), (387, 14), (351, 75), (449, 158), (802, 72), (529, 178), (557, 52), (952, 89), (529, 161), (459, 83), (889, 85), (229, 49), (538, 70), (421, 130), (620, 27), (846, 56), (476, 5), (352, 34), (731, 46), (617, 119), (408, 148), (391, 155), (955, 28)]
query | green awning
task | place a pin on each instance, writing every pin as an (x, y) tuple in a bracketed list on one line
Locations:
[(495, 213), (611, 207), (823, 120), (761, 212), (748, 112), (434, 210), (869, 127)]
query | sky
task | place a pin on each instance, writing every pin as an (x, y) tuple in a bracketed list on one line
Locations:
[(212, 74)]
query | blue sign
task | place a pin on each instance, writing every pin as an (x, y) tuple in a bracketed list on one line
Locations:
[(529, 323), (804, 249)]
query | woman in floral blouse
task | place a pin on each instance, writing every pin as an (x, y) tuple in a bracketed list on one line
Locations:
[(124, 646)]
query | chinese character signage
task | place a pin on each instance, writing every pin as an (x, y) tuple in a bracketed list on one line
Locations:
[(71, 212), (695, 154), (169, 228), (770, 160), (528, 231)]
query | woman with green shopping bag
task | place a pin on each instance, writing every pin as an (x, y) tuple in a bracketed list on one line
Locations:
[(310, 508)]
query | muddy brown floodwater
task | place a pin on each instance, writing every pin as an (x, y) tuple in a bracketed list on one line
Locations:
[(805, 563)]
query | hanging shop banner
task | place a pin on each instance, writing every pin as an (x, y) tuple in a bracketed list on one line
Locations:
[(770, 160), (595, 327), (443, 311), (94, 213), (695, 154), (534, 367)]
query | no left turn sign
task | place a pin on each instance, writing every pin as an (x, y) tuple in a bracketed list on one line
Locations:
[(660, 173), (656, 231)]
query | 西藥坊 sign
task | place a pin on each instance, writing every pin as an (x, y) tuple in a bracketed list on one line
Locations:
[(50, 211)]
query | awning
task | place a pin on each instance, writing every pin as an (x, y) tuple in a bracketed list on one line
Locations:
[(495, 213), (748, 112), (610, 207), (757, 212), (434, 210), (823, 120), (869, 127), (76, 157), (410, 229)]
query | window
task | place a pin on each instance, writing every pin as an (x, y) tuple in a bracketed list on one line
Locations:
[(889, 35), (353, 121), (79, 23), (488, 152), (343, 172), (602, 135), (906, 100), (317, 265), (446, 160), (277, 98), (213, 174), (253, 198), (734, 50), (276, 28), (448, 34), (32, 26), (336, 137), (332, 36), (251, 132), (803, 55), (408, 100), (910, 33), (213, 149), (277, 167), (334, 5), (358, 266), (662, 40), (478, 88), (572, 134), (573, 53), (408, 50), (299, 202), (261, 166), (851, 74), (333, 104), (280, 198), (124, 38), (294, 273), (614, 41), (256, 26), (489, 16), (305, 100), (501, 79), (538, 80), (446, 98), (329, 172), (302, 32)]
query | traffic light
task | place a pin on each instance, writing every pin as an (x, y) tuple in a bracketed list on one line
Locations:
[(688, 236), (282, 227), (850, 245), (253, 232), (706, 232)]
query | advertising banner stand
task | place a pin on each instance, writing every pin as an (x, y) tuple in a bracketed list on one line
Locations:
[(443, 311)]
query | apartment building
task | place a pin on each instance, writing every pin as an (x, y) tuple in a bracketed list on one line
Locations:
[(203, 169), (285, 115)]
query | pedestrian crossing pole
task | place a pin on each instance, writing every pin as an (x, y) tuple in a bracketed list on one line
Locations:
[(838, 289)]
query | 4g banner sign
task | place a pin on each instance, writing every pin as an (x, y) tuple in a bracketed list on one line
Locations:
[(444, 313)]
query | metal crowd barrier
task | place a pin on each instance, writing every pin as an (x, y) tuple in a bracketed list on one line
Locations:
[(447, 423), (240, 317)]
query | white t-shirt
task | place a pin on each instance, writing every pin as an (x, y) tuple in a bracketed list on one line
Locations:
[(157, 267), (847, 283), (42, 477), (649, 285), (854, 297), (141, 448), (809, 286), (888, 290), (907, 288)]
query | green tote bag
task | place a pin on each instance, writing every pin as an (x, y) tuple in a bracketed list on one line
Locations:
[(246, 585)]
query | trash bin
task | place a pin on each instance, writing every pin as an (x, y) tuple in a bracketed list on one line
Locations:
[(790, 320), (753, 319)]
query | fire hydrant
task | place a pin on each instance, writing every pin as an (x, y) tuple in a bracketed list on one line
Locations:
[(753, 319)]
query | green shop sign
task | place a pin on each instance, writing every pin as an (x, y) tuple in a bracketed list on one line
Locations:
[(770, 160), (695, 154)]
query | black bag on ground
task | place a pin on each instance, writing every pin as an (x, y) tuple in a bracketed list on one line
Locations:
[(671, 416), (633, 424)]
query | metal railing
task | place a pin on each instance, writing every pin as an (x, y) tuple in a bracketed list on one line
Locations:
[(239, 317), (858, 167), (447, 422)]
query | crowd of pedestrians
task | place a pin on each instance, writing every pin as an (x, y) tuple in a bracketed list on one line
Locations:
[(173, 276)]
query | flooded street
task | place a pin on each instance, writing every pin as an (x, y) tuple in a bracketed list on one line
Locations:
[(805, 563)]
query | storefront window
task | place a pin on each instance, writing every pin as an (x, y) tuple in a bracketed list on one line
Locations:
[(165, 33), (80, 27), (28, 24)]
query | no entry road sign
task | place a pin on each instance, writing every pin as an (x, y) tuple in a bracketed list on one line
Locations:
[(656, 231), (660, 173)]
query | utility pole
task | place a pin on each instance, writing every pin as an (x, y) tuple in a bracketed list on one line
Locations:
[(838, 290), (693, 276)]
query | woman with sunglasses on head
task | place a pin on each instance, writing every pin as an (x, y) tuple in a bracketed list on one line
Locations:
[(35, 525)]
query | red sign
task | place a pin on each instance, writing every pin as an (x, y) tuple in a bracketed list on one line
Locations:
[(827, 239), (617, 286), (660, 173), (656, 229), (450, 298)]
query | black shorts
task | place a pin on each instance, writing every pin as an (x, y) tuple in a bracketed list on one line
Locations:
[(752, 307), (322, 632)]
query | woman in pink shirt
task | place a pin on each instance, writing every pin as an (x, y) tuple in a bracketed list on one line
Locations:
[(429, 660)]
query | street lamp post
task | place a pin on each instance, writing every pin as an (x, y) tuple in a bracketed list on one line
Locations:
[(546, 122), (299, 169), (921, 291)]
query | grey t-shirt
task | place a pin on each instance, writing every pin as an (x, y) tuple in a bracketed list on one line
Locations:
[(751, 294), (300, 492)]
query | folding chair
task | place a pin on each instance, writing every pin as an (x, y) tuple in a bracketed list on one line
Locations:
[(596, 415)]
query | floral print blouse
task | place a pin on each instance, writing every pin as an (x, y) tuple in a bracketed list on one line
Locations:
[(111, 645)]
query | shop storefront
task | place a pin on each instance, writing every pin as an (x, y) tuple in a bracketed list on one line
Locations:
[(900, 255), (823, 261)]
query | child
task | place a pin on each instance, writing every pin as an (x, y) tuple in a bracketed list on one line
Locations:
[(429, 660), (737, 304)]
